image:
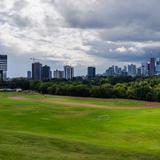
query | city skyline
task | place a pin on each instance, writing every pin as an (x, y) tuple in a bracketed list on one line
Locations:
[(148, 69), (78, 33), (41, 71)]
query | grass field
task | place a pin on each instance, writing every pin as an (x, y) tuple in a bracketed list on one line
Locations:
[(58, 128)]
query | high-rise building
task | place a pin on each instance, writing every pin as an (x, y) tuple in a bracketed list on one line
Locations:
[(125, 69), (36, 71), (29, 75), (51, 75), (158, 66), (132, 70), (119, 71), (145, 71), (124, 72), (116, 70), (110, 71), (68, 72), (139, 71), (1, 75), (91, 72), (58, 74), (3, 67), (152, 67), (46, 73)]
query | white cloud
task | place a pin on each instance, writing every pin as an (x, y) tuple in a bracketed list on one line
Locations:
[(81, 32), (121, 49)]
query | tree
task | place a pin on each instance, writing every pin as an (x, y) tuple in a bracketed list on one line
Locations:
[(52, 89), (131, 92), (157, 92), (104, 91), (79, 90), (120, 90), (22, 83), (43, 87), (144, 91)]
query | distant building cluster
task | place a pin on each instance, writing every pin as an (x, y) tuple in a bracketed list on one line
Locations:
[(151, 68), (130, 70), (40, 72)]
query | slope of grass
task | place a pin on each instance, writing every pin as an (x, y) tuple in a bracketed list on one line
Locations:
[(45, 131)]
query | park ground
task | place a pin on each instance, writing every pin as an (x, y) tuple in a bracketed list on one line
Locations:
[(42, 127)]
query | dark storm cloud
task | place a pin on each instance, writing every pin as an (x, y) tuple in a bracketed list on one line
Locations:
[(130, 33), (116, 21), (124, 51), (110, 13), (131, 57)]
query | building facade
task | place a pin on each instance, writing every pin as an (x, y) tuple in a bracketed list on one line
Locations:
[(152, 67), (3, 67), (91, 72), (139, 72), (132, 70), (29, 75), (37, 71), (158, 66), (145, 71), (110, 71), (46, 73), (58, 74), (68, 72)]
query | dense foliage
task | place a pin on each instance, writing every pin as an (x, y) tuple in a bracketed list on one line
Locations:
[(100, 87)]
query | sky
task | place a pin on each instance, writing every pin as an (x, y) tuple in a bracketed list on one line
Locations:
[(80, 33)]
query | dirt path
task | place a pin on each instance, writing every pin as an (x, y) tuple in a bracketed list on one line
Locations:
[(18, 98), (148, 105)]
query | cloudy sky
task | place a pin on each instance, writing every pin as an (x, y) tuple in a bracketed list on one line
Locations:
[(78, 32)]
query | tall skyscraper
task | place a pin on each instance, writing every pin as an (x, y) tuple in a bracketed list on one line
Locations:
[(110, 71), (152, 67), (1, 75), (46, 73), (158, 66), (68, 72), (58, 74), (132, 70), (3, 67), (91, 72), (29, 75), (36, 71), (51, 75), (145, 71), (139, 71), (125, 69), (116, 70)]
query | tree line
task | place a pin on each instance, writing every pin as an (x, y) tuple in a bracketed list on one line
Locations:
[(100, 87)]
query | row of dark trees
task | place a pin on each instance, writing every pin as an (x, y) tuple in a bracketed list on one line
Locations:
[(101, 87)]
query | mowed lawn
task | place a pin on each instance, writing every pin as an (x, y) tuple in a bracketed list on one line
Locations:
[(31, 128)]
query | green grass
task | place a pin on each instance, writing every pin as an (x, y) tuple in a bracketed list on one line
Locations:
[(50, 131), (95, 101)]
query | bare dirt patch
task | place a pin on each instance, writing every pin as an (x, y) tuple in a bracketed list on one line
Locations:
[(18, 98), (100, 106), (152, 105), (147, 105), (73, 104)]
